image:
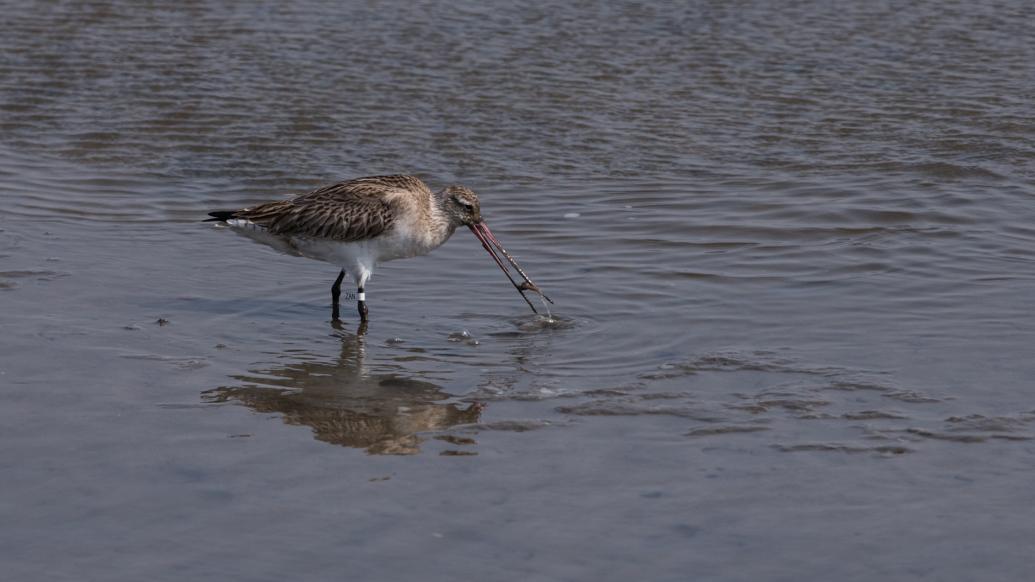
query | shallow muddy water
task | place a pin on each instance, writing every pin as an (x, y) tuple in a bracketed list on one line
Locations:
[(791, 251)]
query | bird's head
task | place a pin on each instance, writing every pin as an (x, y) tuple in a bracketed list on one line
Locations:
[(461, 205)]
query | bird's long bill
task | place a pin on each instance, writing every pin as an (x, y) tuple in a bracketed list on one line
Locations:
[(492, 244)]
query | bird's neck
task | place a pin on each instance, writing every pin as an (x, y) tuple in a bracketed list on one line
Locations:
[(440, 204), (442, 225)]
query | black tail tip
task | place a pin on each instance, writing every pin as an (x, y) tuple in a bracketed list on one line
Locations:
[(220, 216)]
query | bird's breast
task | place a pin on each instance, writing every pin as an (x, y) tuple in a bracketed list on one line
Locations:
[(405, 241)]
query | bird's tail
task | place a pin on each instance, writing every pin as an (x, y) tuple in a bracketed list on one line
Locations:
[(221, 215)]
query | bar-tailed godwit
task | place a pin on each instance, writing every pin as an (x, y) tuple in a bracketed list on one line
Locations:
[(363, 222)]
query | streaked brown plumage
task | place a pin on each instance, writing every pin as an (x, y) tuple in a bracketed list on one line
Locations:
[(346, 211)]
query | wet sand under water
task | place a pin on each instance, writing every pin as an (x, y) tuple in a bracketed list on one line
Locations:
[(792, 330)]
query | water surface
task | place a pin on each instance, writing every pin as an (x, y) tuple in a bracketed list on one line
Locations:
[(791, 249)]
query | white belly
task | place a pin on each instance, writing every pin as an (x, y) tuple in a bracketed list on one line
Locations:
[(356, 257)]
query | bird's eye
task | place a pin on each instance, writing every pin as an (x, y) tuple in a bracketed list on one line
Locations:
[(467, 206)]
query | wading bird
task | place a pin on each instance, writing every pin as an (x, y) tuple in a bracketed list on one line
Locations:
[(360, 223)]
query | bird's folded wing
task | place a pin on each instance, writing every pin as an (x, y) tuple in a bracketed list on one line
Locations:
[(347, 212)]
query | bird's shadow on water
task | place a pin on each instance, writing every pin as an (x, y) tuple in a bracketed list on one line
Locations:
[(345, 404)]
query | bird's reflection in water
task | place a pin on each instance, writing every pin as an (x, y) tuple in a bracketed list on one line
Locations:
[(344, 405)]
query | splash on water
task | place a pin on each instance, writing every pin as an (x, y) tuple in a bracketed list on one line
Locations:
[(549, 316)]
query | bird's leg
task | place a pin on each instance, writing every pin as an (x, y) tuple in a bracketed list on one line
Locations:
[(336, 294), (362, 297)]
